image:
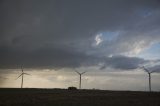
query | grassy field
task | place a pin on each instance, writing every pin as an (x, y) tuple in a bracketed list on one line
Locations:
[(63, 97)]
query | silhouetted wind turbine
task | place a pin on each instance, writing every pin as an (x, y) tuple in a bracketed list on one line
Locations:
[(80, 74), (22, 76), (149, 74)]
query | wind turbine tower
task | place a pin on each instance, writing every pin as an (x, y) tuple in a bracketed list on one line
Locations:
[(22, 75), (149, 80), (80, 75)]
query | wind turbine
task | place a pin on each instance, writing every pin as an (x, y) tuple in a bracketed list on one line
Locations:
[(80, 74), (22, 74), (149, 74)]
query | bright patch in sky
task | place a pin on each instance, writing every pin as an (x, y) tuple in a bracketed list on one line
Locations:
[(98, 39), (138, 48), (105, 36), (152, 52)]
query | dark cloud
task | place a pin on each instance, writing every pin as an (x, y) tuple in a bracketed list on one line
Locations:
[(123, 62), (45, 58), (154, 68), (56, 58), (61, 33)]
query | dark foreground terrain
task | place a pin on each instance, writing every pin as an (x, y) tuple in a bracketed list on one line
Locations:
[(61, 97)]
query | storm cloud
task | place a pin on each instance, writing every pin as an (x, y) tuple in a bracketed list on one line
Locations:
[(75, 33)]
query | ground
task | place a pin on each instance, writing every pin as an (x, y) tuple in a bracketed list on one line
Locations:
[(64, 97)]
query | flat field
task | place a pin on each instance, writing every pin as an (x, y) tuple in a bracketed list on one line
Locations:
[(64, 97)]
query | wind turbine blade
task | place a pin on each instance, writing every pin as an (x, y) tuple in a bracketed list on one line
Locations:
[(77, 72), (145, 69), (152, 71), (84, 72), (18, 76), (26, 73)]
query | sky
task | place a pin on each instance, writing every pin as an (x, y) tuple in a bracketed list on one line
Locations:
[(110, 39)]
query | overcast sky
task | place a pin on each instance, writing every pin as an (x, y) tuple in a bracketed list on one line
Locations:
[(110, 36)]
